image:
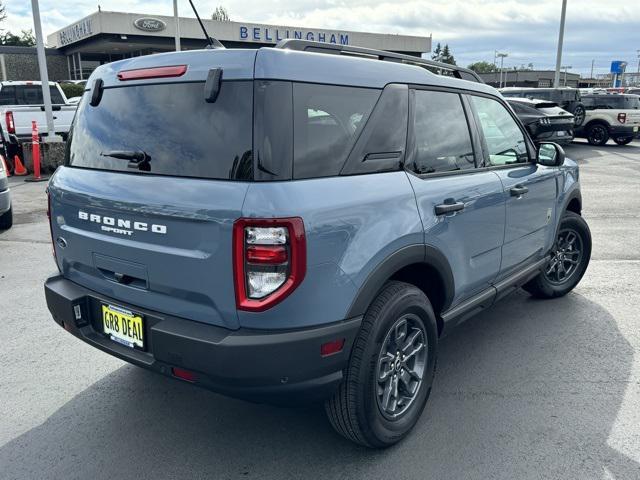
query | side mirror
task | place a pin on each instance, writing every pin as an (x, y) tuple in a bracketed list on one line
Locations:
[(550, 154)]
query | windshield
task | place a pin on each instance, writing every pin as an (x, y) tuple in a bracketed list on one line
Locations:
[(167, 129)]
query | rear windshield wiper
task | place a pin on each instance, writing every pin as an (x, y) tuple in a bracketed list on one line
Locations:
[(137, 158)]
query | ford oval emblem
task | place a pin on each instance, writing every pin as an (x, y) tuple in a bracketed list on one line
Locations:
[(149, 24)]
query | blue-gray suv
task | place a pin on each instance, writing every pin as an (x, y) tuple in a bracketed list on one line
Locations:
[(302, 222)]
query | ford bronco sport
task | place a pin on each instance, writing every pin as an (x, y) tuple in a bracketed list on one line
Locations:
[(284, 224), (610, 116)]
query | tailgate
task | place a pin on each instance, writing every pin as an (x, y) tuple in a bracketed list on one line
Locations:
[(62, 118), (156, 177), (161, 243)]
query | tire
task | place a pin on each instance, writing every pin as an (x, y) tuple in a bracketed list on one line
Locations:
[(362, 408), (597, 134), (6, 219), (623, 140), (550, 283), (579, 114)]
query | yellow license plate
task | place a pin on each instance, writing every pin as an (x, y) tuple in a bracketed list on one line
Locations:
[(123, 326)]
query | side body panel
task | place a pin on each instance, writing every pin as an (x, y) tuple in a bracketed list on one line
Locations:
[(470, 239), (352, 224), (530, 217)]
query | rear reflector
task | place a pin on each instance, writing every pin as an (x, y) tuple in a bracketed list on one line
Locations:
[(269, 254), (330, 348), (11, 126), (155, 72), (183, 374)]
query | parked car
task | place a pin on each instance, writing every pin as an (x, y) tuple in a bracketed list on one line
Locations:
[(567, 98), (610, 115), (309, 229), (22, 102), (545, 121), (6, 212)]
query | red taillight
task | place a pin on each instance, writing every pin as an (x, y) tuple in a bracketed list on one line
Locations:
[(183, 374), (155, 72), (622, 117), (267, 254), (11, 126), (330, 348), (269, 260)]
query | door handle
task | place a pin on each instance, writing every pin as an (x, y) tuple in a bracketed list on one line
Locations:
[(449, 208), (518, 190)]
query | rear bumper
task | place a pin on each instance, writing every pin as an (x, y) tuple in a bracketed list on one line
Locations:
[(261, 365)]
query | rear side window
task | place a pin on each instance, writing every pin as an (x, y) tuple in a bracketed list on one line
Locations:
[(28, 95), (327, 122), (442, 142), (173, 125)]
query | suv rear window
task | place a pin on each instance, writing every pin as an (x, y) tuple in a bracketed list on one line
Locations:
[(173, 125), (28, 95)]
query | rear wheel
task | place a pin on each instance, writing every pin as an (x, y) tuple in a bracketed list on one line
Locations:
[(623, 140), (597, 134), (578, 115), (568, 262), (6, 219), (391, 369)]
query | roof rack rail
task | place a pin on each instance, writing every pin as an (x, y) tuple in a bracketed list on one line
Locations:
[(438, 68)]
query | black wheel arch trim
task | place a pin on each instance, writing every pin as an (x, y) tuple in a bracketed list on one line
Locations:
[(409, 255)]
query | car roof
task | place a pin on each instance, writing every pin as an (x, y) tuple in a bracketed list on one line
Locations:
[(269, 63)]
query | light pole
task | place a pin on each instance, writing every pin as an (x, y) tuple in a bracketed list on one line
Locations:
[(566, 67), (44, 75), (556, 79), (501, 56), (177, 20)]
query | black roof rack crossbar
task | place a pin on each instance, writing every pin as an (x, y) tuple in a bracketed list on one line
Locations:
[(335, 49)]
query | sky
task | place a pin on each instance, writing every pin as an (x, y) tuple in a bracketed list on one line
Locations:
[(527, 30)]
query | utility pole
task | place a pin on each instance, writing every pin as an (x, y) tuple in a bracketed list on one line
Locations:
[(593, 61), (44, 75), (556, 79), (177, 20), (501, 56)]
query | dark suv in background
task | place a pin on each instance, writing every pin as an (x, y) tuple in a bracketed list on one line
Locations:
[(567, 98)]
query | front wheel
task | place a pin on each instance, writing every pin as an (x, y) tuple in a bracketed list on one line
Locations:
[(390, 372), (597, 135), (623, 140), (568, 260)]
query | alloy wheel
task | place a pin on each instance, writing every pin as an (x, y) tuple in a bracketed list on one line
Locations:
[(566, 257), (401, 366)]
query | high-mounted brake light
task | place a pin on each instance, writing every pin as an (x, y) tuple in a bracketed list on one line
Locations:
[(11, 125), (269, 260), (622, 117), (154, 72)]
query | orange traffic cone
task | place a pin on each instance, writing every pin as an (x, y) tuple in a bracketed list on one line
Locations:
[(4, 164), (18, 167)]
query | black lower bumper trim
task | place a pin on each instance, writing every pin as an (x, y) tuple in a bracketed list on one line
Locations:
[(259, 365)]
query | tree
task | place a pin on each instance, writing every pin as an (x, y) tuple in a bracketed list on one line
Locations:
[(482, 67), (447, 57), (3, 12), (25, 39), (437, 53), (220, 14)]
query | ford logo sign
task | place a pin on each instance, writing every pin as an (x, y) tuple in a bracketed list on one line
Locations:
[(149, 24)]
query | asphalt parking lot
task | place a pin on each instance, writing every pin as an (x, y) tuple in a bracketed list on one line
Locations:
[(529, 389)]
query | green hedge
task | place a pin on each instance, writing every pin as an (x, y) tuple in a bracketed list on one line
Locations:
[(72, 90)]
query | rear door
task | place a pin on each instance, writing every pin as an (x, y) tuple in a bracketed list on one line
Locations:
[(461, 207), (529, 189), (156, 177)]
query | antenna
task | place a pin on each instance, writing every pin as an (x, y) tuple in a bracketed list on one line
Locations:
[(213, 43)]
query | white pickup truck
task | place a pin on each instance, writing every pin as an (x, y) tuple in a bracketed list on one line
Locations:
[(21, 103)]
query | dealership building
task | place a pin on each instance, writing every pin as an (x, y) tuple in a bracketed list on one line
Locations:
[(76, 50)]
